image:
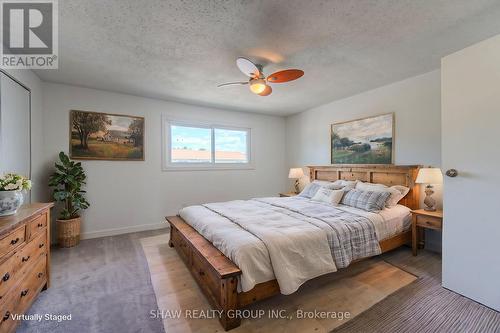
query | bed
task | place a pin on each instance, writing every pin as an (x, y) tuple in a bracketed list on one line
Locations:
[(200, 234)]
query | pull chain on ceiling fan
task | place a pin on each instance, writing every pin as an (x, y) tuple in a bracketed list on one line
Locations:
[(258, 83)]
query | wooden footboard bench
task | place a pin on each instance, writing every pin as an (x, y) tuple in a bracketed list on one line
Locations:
[(217, 275)]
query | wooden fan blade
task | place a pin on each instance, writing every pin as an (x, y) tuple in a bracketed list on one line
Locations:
[(232, 83), (247, 67), (266, 91), (285, 76)]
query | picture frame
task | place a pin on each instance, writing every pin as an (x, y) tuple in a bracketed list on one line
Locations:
[(368, 140), (106, 136)]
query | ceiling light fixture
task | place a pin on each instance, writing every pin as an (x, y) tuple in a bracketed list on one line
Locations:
[(257, 82), (257, 86), (266, 91)]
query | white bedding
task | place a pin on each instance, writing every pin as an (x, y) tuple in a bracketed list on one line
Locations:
[(240, 233), (289, 241), (388, 222)]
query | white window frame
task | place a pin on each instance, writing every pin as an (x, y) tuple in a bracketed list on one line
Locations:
[(167, 164)]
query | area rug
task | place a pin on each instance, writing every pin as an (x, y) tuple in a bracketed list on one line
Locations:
[(319, 306)]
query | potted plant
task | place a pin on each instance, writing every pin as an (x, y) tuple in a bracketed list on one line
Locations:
[(67, 182), (11, 197)]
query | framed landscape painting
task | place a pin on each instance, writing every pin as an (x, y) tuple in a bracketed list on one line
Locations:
[(363, 141), (106, 136)]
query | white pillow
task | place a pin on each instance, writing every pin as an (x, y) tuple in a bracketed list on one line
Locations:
[(402, 189), (347, 184), (332, 197), (310, 190), (397, 191), (327, 184)]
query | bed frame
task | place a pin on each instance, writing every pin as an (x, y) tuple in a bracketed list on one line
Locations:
[(217, 275)]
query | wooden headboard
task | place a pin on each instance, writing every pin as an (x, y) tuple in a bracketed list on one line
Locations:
[(382, 174)]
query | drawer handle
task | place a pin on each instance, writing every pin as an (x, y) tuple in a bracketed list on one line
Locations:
[(14, 241), (6, 316), (40, 225), (24, 292), (6, 277), (41, 245), (40, 275), (25, 259)]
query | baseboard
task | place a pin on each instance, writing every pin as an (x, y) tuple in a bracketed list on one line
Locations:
[(120, 231)]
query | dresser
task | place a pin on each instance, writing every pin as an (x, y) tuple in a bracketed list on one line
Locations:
[(24, 260)]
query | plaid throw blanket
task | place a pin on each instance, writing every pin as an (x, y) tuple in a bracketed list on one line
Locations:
[(350, 236)]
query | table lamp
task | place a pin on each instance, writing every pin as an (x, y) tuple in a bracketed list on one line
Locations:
[(429, 176), (296, 173)]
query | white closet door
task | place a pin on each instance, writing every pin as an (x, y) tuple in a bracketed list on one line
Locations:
[(470, 82), (15, 145)]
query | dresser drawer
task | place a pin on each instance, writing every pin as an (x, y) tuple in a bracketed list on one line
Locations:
[(7, 308), (37, 225), (32, 283), (12, 241), (31, 252), (8, 270), (429, 222)]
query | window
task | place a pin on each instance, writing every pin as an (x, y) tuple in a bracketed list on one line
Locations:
[(231, 146), (194, 146), (190, 144)]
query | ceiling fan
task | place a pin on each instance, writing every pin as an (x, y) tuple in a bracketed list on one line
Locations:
[(258, 83)]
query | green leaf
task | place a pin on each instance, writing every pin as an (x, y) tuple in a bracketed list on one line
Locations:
[(64, 158), (60, 195), (67, 181)]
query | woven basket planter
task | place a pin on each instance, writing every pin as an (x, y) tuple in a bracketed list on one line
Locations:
[(68, 232)]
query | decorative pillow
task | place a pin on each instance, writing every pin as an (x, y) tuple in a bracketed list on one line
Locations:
[(372, 201), (346, 184), (403, 190), (328, 185), (332, 197), (397, 192), (309, 191)]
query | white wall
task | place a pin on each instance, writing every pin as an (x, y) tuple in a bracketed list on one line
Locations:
[(130, 196), (471, 124), (31, 80), (415, 101)]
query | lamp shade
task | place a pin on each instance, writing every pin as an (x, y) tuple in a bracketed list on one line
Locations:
[(429, 176), (257, 86), (296, 173)]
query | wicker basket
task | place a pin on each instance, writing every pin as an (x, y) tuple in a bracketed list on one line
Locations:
[(68, 232)]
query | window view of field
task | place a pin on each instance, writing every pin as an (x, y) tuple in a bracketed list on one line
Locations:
[(194, 145), (365, 141), (103, 136)]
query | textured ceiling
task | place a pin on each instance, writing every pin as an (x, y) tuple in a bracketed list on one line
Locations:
[(180, 50)]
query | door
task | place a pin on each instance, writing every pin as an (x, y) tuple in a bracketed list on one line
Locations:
[(470, 82), (15, 139)]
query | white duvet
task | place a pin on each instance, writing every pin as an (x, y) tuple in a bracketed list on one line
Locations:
[(268, 243)]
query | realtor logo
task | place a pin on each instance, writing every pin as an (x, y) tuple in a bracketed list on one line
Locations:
[(29, 34)]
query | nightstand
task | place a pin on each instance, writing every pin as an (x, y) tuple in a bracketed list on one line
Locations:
[(421, 220), (288, 194)]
